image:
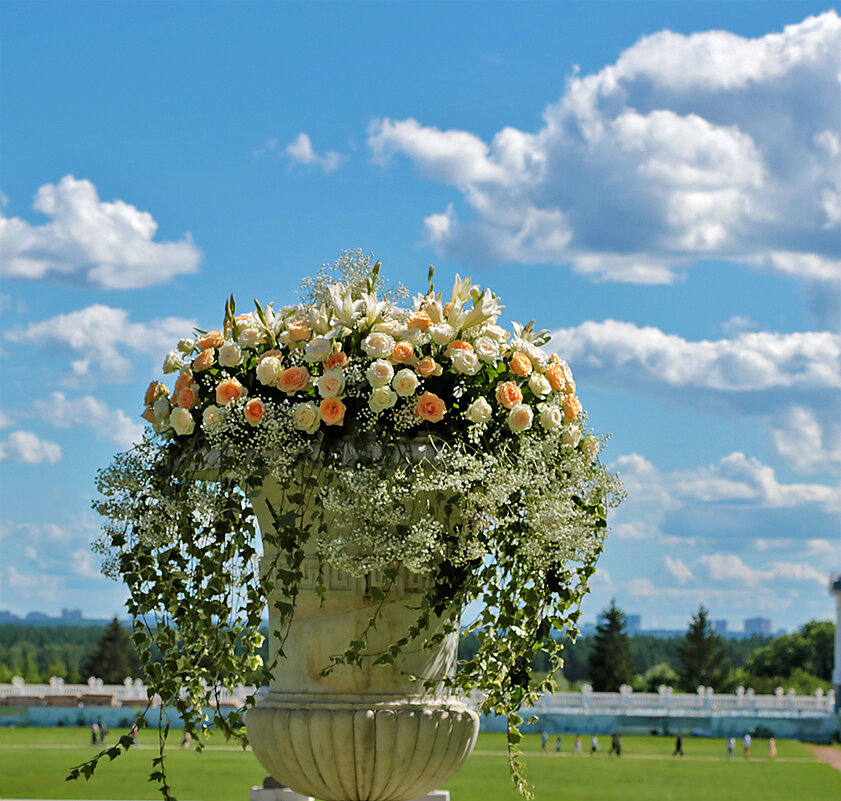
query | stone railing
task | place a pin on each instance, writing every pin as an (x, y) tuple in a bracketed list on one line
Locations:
[(664, 702)]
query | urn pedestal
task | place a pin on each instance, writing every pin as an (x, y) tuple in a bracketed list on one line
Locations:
[(358, 734)]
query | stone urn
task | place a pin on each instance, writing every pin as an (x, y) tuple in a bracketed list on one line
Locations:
[(357, 734)]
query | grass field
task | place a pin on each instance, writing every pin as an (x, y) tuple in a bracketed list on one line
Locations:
[(34, 761)]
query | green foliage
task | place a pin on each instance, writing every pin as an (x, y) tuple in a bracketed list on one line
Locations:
[(702, 656), (610, 664), (41, 652), (114, 658), (810, 650), (662, 674)]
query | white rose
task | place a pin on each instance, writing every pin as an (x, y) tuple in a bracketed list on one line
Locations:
[(537, 356), (318, 349), (590, 447), (479, 411), (405, 382), (378, 345), (306, 417), (415, 336), (331, 383), (539, 385), (230, 354), (391, 327), (249, 337), (186, 345), (442, 333), (172, 362), (380, 373), (551, 416), (268, 370), (487, 349), (182, 421), (212, 418), (520, 417), (465, 361), (496, 332), (571, 437), (382, 398), (160, 410)]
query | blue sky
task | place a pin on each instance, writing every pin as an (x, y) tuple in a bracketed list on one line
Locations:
[(658, 183)]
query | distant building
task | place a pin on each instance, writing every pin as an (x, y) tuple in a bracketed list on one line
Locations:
[(8, 617), (633, 624), (757, 625), (36, 617), (720, 626), (71, 615)]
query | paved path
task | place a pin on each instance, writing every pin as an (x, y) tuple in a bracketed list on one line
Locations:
[(827, 753)]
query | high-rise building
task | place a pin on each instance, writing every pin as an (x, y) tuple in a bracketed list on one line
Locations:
[(757, 625), (720, 626), (633, 624)]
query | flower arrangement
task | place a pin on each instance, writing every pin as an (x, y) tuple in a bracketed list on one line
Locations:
[(362, 400)]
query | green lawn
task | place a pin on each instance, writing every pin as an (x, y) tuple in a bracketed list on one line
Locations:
[(34, 761)]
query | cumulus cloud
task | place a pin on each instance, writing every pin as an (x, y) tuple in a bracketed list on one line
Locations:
[(300, 151), (688, 147), (29, 448), (108, 423), (678, 569), (730, 568), (101, 335), (791, 380), (90, 241)]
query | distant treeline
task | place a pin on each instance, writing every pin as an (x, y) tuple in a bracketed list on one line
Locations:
[(37, 652)]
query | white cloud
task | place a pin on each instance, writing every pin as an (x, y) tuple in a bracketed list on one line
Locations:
[(687, 147), (615, 351), (102, 334), (87, 410), (809, 443), (5, 420), (730, 568), (24, 446), (679, 570), (300, 151), (83, 564), (103, 244)]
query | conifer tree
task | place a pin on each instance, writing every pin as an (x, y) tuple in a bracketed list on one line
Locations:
[(703, 659), (611, 662), (114, 657)]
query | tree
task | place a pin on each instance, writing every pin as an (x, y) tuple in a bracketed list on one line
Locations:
[(611, 662), (810, 650), (114, 656), (703, 659)]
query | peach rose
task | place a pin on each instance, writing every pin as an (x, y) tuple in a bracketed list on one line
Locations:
[(509, 394), (149, 415), (299, 330), (253, 411), (183, 380), (336, 361), (293, 379), (572, 407), (156, 391), (204, 360), (555, 377), (332, 411), (520, 364), (212, 339), (427, 366), (188, 397), (419, 319), (430, 408), (228, 391), (331, 383), (458, 344), (266, 354), (403, 352), (520, 417)]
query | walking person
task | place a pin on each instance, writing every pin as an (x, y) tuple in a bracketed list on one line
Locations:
[(544, 738), (678, 745), (94, 732), (731, 744), (616, 745), (772, 748), (594, 744), (746, 744), (577, 749), (558, 744), (103, 731)]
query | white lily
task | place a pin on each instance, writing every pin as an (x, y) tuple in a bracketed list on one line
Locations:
[(485, 308), (346, 310), (462, 289)]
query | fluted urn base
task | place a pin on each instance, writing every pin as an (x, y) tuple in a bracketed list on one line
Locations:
[(361, 751)]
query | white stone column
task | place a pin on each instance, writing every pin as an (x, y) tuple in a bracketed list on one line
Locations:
[(835, 589)]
